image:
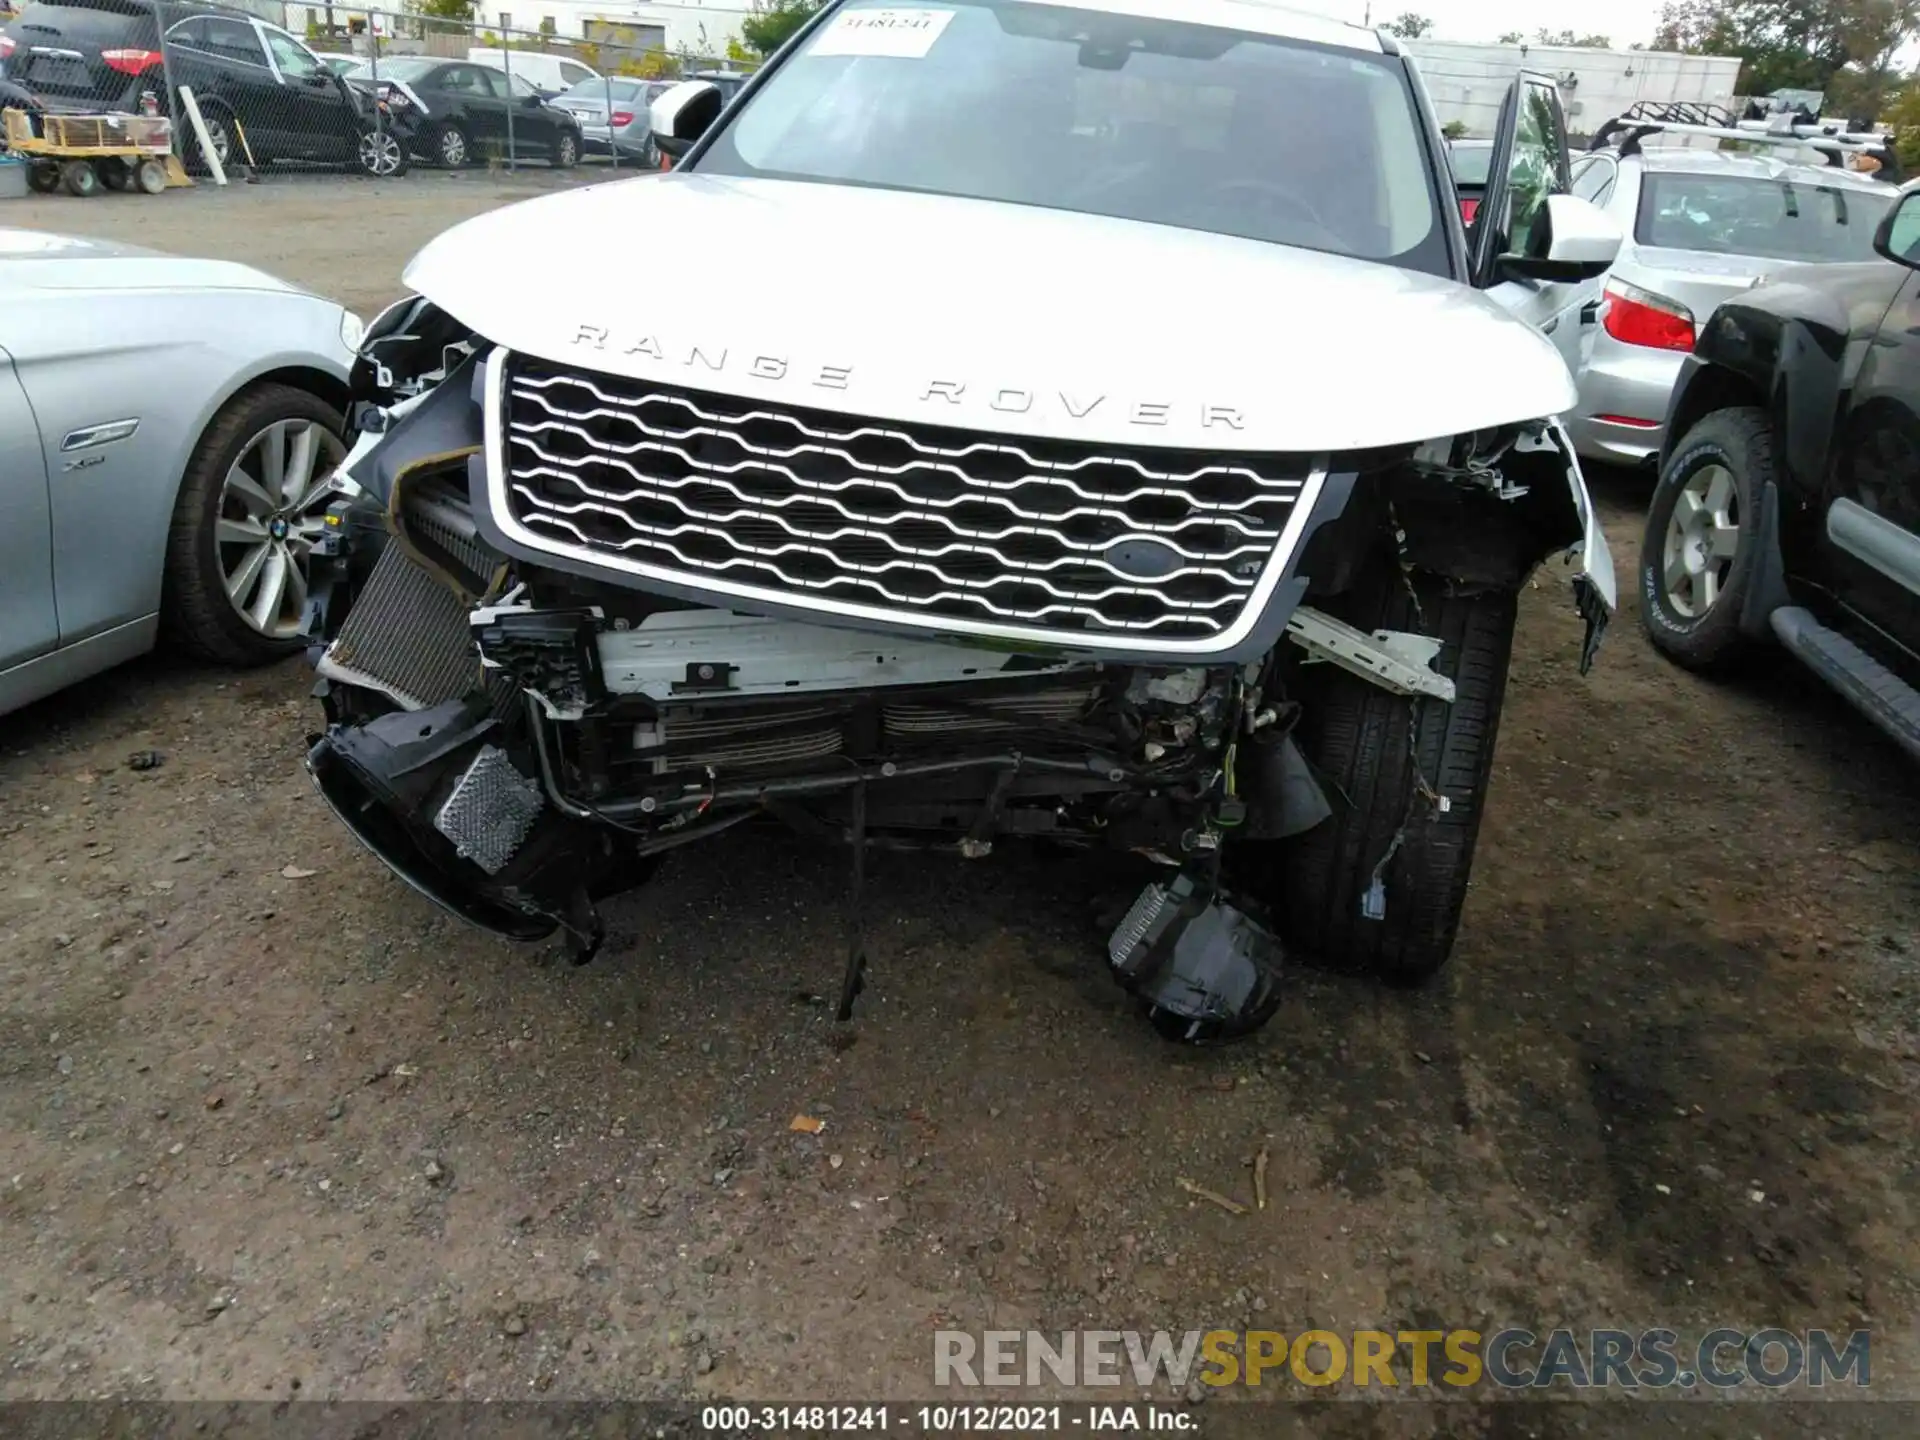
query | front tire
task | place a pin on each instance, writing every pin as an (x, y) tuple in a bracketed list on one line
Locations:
[(566, 151), (248, 512), (1697, 556), (1386, 763)]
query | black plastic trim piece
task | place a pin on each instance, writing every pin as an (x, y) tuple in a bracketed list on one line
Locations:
[(1768, 590)]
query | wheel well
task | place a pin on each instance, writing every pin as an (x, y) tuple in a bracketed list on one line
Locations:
[(1714, 388), (317, 383)]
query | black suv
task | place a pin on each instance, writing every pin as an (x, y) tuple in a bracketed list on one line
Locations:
[(252, 79), (1789, 497)]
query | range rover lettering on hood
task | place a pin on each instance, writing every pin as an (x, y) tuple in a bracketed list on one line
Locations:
[(938, 393), (1004, 319)]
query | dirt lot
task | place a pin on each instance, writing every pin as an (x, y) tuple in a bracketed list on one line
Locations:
[(271, 1126)]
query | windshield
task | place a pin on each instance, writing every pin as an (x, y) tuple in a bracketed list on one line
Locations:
[(1774, 219), (1471, 161), (1105, 114), (404, 68)]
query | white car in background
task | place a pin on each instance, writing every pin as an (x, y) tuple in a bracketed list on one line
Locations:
[(548, 73)]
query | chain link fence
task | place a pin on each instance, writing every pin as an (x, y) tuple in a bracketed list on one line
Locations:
[(374, 91)]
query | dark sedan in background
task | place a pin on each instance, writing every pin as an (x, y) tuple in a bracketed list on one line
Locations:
[(261, 92), (455, 113)]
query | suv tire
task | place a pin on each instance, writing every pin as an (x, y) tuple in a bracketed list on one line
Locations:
[(1372, 751), (1698, 542)]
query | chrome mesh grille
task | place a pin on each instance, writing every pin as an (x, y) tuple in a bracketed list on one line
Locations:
[(937, 525)]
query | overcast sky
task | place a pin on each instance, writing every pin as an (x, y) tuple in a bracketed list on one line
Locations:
[(1622, 21)]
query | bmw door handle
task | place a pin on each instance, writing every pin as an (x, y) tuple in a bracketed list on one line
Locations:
[(1551, 326)]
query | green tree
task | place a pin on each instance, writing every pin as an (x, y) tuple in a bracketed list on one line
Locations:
[(1512, 37), (1903, 114), (461, 10), (1793, 44), (1409, 26), (772, 21)]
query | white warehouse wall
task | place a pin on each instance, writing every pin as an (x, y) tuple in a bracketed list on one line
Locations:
[(690, 25), (1469, 82)]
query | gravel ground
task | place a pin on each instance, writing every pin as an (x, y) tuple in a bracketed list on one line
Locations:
[(270, 1126)]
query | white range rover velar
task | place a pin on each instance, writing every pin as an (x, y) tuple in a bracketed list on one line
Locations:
[(1088, 423)]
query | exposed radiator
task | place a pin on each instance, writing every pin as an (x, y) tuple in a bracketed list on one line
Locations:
[(407, 634)]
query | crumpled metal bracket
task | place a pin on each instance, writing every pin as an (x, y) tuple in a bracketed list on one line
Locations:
[(1395, 660)]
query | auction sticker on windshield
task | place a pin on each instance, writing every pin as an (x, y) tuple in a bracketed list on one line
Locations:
[(903, 34)]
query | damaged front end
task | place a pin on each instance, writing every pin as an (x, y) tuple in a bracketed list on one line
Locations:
[(608, 620)]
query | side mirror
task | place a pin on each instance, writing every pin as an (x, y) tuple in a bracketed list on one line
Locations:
[(682, 115), (1898, 238), (533, 102), (1570, 240)]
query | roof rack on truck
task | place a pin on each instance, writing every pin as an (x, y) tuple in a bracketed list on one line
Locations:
[(1795, 128)]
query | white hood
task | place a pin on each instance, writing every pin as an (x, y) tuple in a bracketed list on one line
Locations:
[(990, 316)]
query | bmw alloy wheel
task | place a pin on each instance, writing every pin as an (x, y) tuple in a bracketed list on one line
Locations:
[(1702, 539), (453, 147), (272, 510)]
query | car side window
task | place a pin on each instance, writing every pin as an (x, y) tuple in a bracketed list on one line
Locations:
[(294, 59), (464, 80), (1593, 178), (574, 74), (189, 35), (233, 40)]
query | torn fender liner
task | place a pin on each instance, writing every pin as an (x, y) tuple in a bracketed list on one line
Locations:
[(1205, 970), (437, 795)]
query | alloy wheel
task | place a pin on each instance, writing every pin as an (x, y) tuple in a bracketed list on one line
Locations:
[(1703, 536), (272, 506), (219, 139), (379, 152), (453, 148)]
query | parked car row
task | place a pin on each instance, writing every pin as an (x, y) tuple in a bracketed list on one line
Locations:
[(454, 112), (266, 96)]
